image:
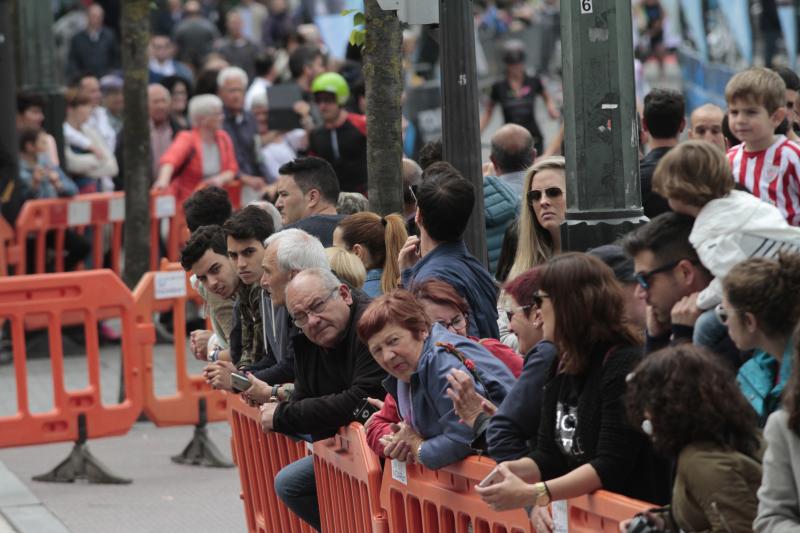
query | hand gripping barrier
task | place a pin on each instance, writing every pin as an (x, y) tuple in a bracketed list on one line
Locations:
[(418, 499), (195, 402), (260, 456), (77, 414), (348, 475), (602, 511), (102, 213)]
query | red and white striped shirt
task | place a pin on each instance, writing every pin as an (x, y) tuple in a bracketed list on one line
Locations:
[(773, 175)]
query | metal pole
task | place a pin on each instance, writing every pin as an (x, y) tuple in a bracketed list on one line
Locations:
[(601, 138), (38, 69), (9, 150), (461, 138)]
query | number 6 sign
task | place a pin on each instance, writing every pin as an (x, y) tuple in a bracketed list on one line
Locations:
[(586, 6)]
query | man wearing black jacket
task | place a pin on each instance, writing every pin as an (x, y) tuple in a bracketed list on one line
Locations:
[(334, 374)]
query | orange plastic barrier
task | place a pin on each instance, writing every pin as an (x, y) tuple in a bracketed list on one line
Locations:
[(348, 475), (51, 297), (159, 292), (260, 457), (100, 212), (602, 511), (417, 499)]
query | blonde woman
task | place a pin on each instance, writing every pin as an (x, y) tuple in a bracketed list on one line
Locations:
[(347, 266), (543, 210)]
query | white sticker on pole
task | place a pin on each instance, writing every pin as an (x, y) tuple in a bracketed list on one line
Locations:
[(586, 6), (79, 213), (165, 206), (399, 471), (116, 209), (560, 516), (170, 285)]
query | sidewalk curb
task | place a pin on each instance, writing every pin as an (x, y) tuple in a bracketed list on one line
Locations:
[(21, 511)]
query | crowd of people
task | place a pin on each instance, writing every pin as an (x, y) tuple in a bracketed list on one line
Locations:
[(663, 366)]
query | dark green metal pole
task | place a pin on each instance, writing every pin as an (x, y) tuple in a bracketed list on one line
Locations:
[(8, 130), (601, 139), (461, 138), (38, 70)]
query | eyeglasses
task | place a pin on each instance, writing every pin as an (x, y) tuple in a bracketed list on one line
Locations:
[(643, 278), (456, 323), (510, 312), (722, 314), (551, 192), (301, 319)]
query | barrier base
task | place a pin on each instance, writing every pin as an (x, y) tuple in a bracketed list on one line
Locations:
[(201, 450), (81, 464)]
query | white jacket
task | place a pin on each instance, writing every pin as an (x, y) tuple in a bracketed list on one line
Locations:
[(734, 228)]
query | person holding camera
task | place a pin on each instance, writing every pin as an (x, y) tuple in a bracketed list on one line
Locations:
[(686, 400)]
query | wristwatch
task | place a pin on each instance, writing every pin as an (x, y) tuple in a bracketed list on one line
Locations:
[(419, 452), (542, 494), (274, 394)]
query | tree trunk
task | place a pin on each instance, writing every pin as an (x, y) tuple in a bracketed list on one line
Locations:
[(136, 140), (10, 199), (384, 87)]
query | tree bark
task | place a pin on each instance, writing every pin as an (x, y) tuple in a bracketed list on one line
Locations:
[(136, 140), (384, 87)]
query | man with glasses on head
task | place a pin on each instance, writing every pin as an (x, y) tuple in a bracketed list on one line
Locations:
[(668, 273), (334, 374)]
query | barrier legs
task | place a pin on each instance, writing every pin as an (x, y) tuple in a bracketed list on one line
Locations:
[(201, 450), (81, 464)]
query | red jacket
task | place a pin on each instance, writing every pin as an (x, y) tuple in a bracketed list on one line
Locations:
[(379, 424), (185, 154)]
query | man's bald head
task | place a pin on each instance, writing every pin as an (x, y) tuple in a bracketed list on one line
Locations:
[(158, 103), (412, 175), (512, 149), (705, 124)]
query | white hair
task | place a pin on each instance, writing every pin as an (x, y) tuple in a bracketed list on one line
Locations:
[(229, 73), (272, 211), (259, 99), (328, 279), (298, 250), (203, 105)]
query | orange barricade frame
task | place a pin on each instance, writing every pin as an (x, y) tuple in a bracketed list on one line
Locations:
[(444, 500), (602, 511), (348, 475), (260, 456), (54, 296), (169, 290)]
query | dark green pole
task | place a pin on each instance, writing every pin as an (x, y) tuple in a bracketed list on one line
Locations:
[(601, 139), (38, 70), (461, 137), (8, 130)]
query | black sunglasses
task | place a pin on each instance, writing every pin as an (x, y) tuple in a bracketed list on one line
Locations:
[(643, 278), (551, 192)]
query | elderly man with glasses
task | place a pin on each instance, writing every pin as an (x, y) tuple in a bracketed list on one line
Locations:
[(334, 374)]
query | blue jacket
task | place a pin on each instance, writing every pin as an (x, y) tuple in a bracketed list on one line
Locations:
[(511, 433), (500, 207), (446, 439), (452, 263), (372, 285), (756, 379)]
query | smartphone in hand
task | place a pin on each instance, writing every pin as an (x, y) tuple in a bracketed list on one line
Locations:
[(493, 477), (239, 383)]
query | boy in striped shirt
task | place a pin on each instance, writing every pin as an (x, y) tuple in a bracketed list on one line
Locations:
[(768, 165)]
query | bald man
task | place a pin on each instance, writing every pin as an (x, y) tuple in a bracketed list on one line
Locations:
[(512, 153), (705, 124)]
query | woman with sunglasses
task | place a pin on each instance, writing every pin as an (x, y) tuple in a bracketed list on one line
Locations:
[(444, 306), (543, 210), (760, 306), (418, 356), (584, 441)]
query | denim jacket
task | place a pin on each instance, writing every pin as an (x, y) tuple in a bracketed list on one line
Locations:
[(447, 440)]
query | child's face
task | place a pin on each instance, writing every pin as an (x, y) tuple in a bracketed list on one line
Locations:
[(752, 124), (41, 144)]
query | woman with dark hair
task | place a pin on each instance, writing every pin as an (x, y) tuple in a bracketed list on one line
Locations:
[(778, 497), (180, 90), (377, 241), (760, 306), (418, 357), (584, 442), (685, 399)]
